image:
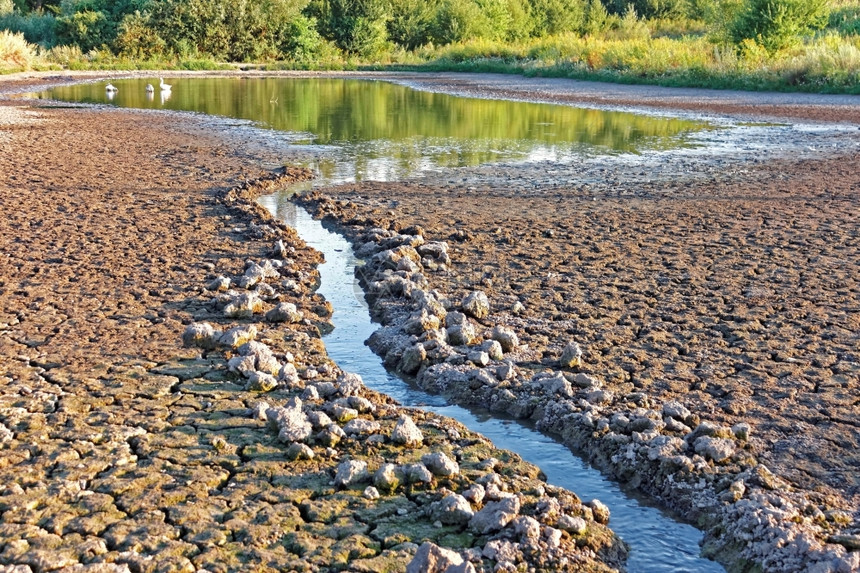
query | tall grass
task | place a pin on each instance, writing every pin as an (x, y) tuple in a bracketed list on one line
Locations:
[(15, 53), (830, 63)]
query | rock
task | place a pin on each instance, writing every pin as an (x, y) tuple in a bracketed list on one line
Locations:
[(412, 359), (261, 382), (461, 334), (289, 375), (239, 335), (478, 358), (219, 284), (506, 337), (406, 433), (517, 308), (493, 349), (371, 492), (298, 451), (495, 515), (349, 384), (350, 473), (506, 371), (501, 550), (244, 365), (285, 312), (571, 356), (202, 335), (361, 427), (742, 431), (552, 537), (440, 464), (716, 449), (430, 558), (343, 414), (476, 304), (453, 509), (557, 384), (583, 380), (361, 405), (244, 305), (331, 435), (319, 420), (599, 397), (573, 525), (676, 410), (292, 423), (475, 494), (388, 477), (417, 473), (527, 528), (599, 510)]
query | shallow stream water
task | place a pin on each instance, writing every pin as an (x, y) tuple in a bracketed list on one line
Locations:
[(658, 543)]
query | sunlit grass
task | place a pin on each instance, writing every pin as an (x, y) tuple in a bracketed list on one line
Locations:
[(15, 53)]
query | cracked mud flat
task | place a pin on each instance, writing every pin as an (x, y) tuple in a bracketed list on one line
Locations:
[(728, 285), (123, 450)]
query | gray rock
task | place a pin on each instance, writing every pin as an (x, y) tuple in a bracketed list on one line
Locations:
[(455, 318), (583, 380), (475, 494), (292, 423), (219, 284), (351, 472), (453, 509), (440, 464), (261, 382), (573, 525), (571, 356), (676, 410), (506, 337), (527, 528), (319, 420), (495, 515), (417, 473), (461, 334), (361, 405), (716, 449), (202, 335), (501, 550), (298, 451), (289, 375), (599, 510), (239, 335), (493, 349), (478, 357), (406, 433), (742, 431), (430, 558), (285, 312), (244, 365), (476, 304), (412, 359), (349, 384), (244, 305), (557, 384), (361, 427), (388, 477)]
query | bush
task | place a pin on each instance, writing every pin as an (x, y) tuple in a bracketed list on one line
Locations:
[(552, 17), (37, 27), (458, 20), (6, 7), (778, 24), (138, 39), (411, 22), (652, 8), (15, 51), (87, 29)]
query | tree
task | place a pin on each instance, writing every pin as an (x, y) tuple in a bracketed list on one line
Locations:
[(778, 24)]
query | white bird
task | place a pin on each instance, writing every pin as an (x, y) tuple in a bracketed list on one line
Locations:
[(164, 87), (150, 89), (110, 88)]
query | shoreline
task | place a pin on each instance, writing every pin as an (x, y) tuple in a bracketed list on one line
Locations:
[(623, 468)]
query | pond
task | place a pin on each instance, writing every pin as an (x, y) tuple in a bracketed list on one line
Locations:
[(377, 130)]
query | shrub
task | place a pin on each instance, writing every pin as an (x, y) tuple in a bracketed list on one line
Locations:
[(550, 17), (37, 27), (596, 18), (778, 24), (15, 51), (6, 7), (411, 22), (87, 29), (138, 39)]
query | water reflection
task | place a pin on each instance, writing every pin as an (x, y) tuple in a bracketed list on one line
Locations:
[(381, 131)]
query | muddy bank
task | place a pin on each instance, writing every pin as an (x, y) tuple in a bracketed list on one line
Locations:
[(716, 312), (123, 449)]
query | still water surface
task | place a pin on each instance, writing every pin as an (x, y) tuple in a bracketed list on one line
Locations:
[(658, 544), (381, 131)]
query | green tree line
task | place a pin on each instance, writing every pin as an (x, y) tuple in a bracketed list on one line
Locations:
[(306, 30)]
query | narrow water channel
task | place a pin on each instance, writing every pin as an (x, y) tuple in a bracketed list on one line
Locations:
[(658, 544)]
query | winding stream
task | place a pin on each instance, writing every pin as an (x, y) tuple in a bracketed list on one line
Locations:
[(658, 544)]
